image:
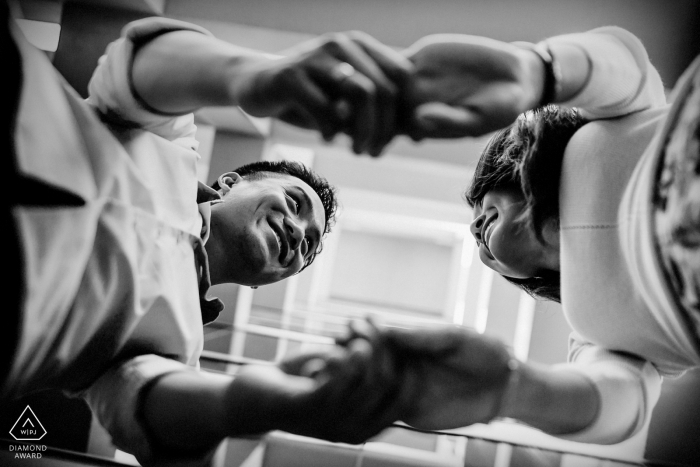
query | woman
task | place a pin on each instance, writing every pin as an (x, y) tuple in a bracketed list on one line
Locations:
[(563, 208)]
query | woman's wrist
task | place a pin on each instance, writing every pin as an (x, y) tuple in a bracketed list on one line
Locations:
[(551, 82), (557, 71), (509, 396), (573, 67), (534, 76)]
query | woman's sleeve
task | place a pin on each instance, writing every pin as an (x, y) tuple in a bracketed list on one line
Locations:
[(621, 81), (628, 389), (116, 400), (111, 89)]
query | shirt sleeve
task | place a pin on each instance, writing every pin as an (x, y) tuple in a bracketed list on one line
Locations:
[(112, 93), (622, 80), (115, 399), (628, 388)]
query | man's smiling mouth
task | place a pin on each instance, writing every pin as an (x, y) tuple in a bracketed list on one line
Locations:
[(282, 244)]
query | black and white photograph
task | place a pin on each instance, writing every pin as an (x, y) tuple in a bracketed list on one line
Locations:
[(325, 233)]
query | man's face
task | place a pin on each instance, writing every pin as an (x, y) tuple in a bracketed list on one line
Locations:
[(266, 229)]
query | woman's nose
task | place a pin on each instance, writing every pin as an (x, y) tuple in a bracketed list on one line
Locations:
[(475, 227)]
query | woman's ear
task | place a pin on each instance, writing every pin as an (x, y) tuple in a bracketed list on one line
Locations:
[(550, 231), (227, 180)]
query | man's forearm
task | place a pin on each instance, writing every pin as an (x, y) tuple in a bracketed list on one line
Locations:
[(184, 411), (190, 411), (556, 401), (181, 71)]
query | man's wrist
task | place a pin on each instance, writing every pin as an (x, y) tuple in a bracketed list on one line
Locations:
[(253, 405), (247, 77)]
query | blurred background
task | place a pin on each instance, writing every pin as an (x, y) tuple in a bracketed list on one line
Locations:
[(401, 249)]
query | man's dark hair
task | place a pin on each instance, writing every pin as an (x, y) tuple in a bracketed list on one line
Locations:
[(325, 191), (528, 155)]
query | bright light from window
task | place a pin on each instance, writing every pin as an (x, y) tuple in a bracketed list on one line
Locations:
[(40, 34)]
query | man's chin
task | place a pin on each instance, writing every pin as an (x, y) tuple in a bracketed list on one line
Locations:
[(251, 271)]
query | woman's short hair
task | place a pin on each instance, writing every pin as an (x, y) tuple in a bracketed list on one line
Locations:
[(528, 155)]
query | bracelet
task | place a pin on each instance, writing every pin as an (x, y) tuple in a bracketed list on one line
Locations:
[(552, 74), (511, 388)]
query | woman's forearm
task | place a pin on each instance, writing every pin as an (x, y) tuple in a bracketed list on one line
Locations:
[(556, 401)]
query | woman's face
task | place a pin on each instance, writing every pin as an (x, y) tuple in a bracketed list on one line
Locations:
[(507, 246)]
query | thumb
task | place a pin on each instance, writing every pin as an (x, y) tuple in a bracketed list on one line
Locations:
[(439, 120)]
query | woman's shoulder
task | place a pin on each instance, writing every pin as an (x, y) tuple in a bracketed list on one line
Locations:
[(598, 163)]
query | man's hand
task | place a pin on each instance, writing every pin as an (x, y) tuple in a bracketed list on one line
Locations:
[(469, 85), (348, 394), (343, 82), (460, 376)]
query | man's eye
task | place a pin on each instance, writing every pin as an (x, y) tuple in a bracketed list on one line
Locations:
[(295, 204)]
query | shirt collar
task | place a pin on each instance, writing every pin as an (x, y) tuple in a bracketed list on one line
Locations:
[(205, 213), (210, 307), (205, 195)]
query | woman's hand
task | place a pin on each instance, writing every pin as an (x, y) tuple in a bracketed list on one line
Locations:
[(469, 85), (460, 376)]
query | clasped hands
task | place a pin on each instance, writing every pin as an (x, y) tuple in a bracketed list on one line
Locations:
[(439, 378), (443, 86)]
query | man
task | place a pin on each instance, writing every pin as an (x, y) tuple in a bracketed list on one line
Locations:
[(269, 223), (117, 254)]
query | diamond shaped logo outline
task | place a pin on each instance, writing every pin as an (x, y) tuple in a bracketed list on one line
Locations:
[(27, 418)]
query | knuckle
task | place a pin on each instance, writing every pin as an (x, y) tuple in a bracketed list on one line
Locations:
[(333, 43), (288, 75)]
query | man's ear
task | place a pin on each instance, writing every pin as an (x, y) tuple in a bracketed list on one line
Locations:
[(227, 180)]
